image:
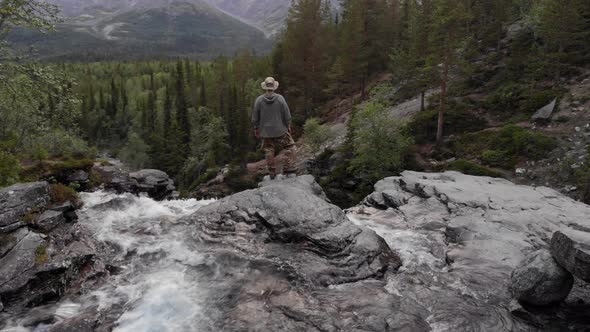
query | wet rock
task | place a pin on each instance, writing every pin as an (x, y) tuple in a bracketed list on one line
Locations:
[(294, 262), (295, 226), (48, 220), (38, 271), (571, 249), (19, 200), (15, 266), (117, 203), (460, 237), (157, 184), (69, 211), (540, 281), (114, 178), (9, 240), (12, 227), (304, 182), (64, 207), (79, 176)]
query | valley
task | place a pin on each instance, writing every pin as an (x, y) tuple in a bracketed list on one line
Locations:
[(152, 29)]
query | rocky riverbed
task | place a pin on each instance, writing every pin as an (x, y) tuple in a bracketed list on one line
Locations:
[(423, 252)]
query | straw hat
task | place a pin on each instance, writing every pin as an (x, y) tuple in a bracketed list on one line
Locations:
[(270, 84)]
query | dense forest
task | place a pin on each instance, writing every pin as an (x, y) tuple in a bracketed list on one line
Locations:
[(189, 118), (183, 117)]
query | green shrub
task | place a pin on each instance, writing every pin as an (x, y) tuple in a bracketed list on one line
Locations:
[(95, 179), (533, 100), (41, 255), (379, 143), (70, 165), (210, 174), (456, 121), (518, 141), (238, 180), (9, 169), (30, 217), (496, 158), (59, 143), (40, 154), (61, 194), (471, 168), (316, 134), (505, 146), (506, 98), (9, 142), (135, 153)]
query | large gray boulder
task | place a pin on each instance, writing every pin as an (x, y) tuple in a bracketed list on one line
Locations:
[(41, 268), (157, 184), (460, 237), (9, 240), (49, 220), (545, 112), (571, 249), (113, 177), (296, 226), (24, 257), (304, 182), (540, 281), (291, 261), (19, 200)]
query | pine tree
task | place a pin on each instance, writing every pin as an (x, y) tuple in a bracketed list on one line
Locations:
[(450, 18), (563, 24), (112, 109), (354, 53), (304, 59), (203, 94), (182, 118)]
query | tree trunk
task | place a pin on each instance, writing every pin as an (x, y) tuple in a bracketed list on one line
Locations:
[(422, 97), (443, 99)]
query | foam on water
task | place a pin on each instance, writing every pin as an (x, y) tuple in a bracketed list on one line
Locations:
[(158, 291), (156, 287)]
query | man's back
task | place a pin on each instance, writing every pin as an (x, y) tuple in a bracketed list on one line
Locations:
[(271, 115)]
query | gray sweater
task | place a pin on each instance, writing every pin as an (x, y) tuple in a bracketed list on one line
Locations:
[(271, 115)]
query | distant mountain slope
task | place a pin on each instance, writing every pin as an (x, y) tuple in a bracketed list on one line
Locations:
[(267, 15), (133, 29)]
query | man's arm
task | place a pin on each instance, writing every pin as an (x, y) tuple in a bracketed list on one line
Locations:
[(256, 118), (286, 113), (256, 114)]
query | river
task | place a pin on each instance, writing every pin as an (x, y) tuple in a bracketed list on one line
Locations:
[(156, 287)]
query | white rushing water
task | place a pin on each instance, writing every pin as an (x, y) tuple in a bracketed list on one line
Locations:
[(156, 288)]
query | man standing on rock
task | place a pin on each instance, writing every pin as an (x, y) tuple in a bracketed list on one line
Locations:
[(271, 119)]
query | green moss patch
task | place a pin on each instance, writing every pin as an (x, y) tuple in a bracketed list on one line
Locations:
[(471, 168), (41, 255), (504, 147), (61, 194)]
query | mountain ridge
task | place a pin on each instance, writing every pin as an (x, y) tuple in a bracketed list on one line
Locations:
[(132, 29)]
